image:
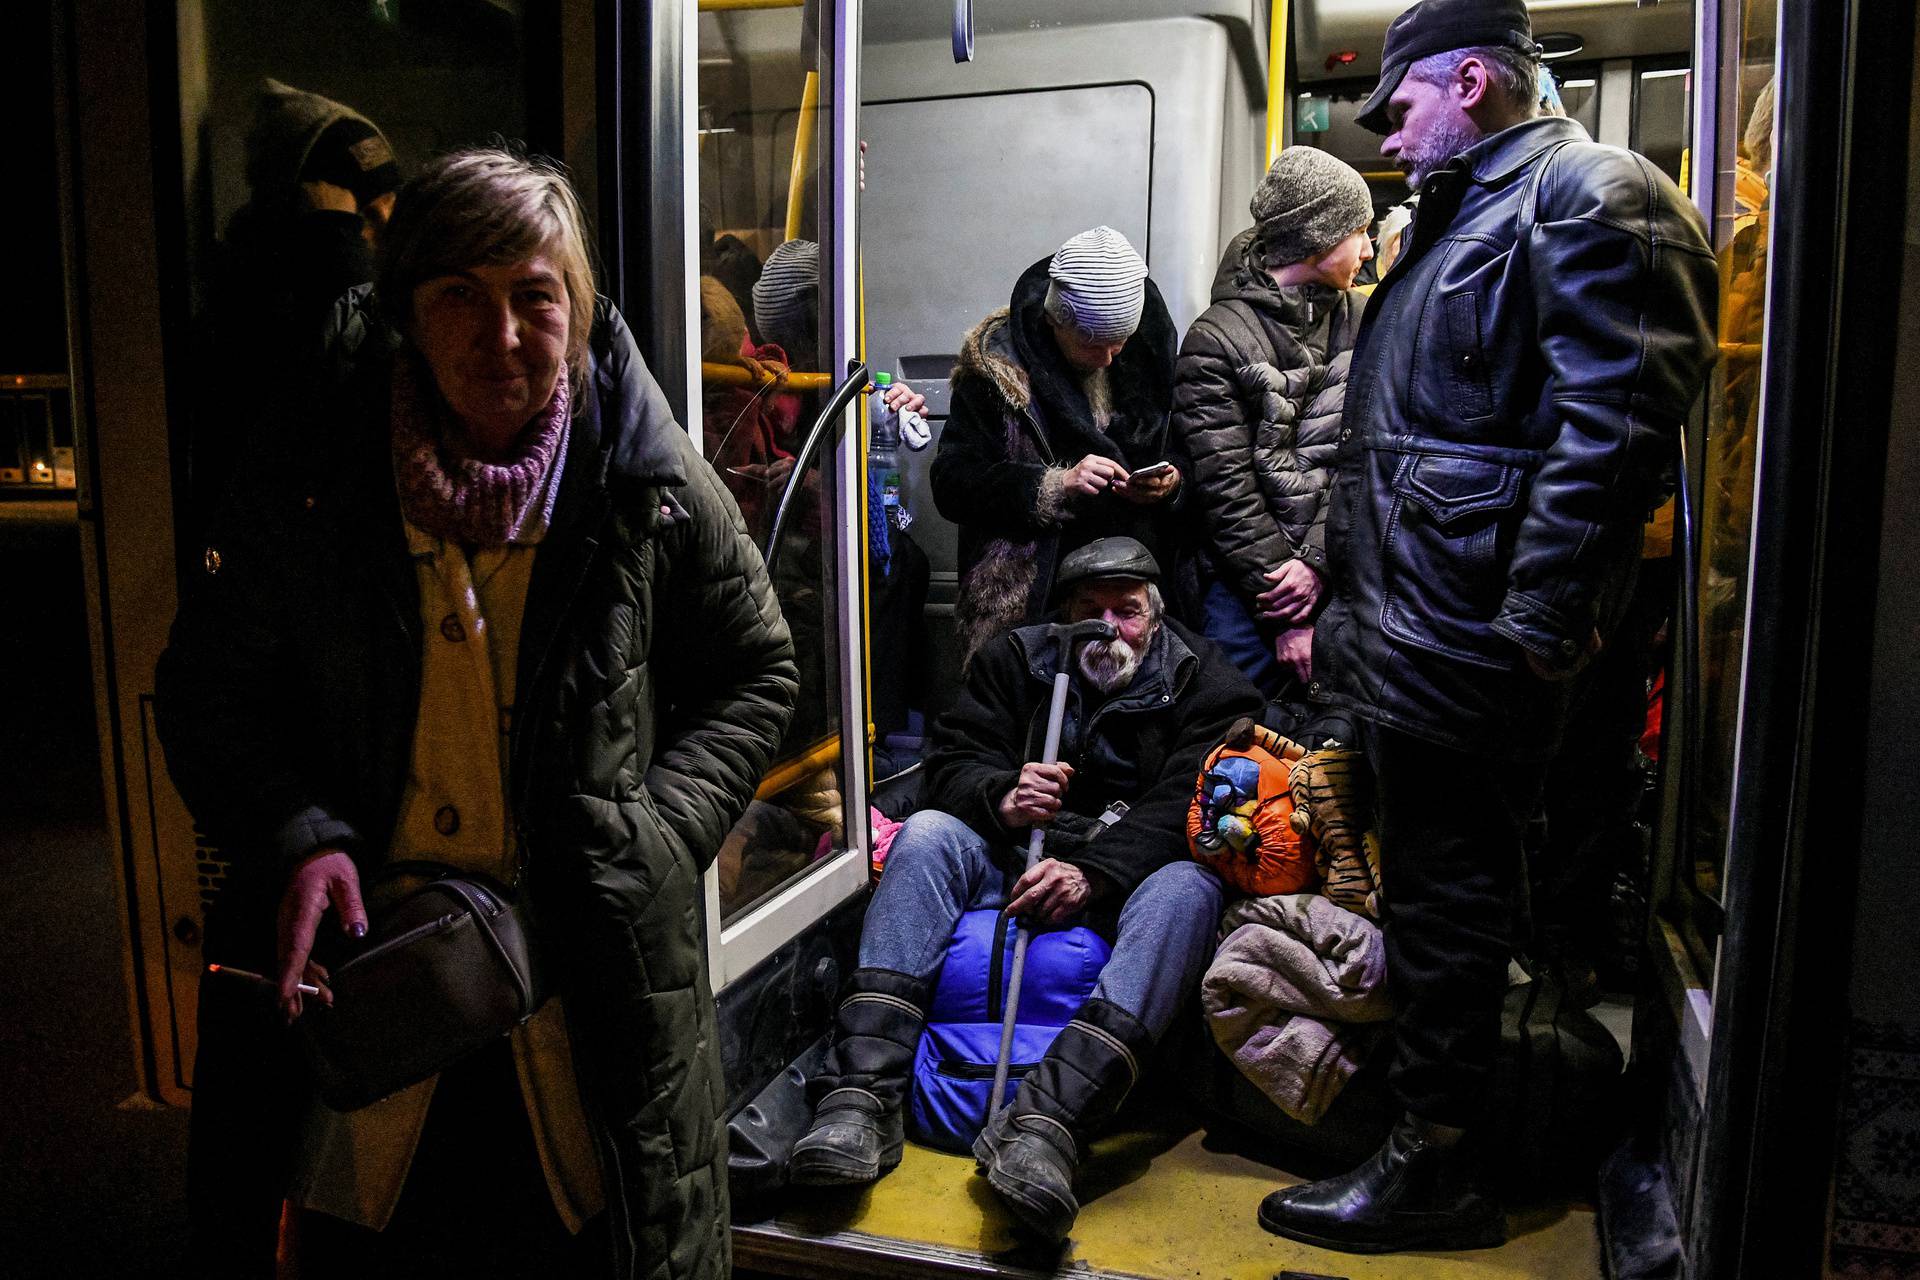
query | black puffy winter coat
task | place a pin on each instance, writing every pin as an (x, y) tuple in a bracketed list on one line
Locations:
[(1257, 398), (1142, 745), (1510, 422), (1019, 420), (656, 677)]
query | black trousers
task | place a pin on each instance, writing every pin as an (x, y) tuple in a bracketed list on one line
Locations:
[(1450, 826)]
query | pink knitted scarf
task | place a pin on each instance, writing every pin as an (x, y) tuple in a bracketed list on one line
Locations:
[(480, 504)]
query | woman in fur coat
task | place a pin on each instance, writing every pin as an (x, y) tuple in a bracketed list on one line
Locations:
[(1058, 401)]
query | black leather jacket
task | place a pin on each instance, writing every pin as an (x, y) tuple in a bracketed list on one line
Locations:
[(1510, 418)]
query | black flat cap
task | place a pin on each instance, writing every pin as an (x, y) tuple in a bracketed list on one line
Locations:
[(1106, 558), (1435, 26)]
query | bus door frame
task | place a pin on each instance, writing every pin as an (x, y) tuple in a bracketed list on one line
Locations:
[(649, 207)]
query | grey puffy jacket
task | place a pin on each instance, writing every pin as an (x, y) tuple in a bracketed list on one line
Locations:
[(1258, 393)]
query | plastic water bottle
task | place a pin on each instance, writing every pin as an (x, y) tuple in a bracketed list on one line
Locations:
[(898, 426)]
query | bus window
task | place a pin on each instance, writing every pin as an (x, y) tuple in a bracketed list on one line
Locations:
[(1745, 158), (764, 136), (1662, 115)]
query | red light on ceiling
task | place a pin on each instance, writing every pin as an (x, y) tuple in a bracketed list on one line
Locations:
[(1344, 58)]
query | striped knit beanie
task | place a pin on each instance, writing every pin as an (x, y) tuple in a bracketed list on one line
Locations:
[(1099, 285), (785, 298)]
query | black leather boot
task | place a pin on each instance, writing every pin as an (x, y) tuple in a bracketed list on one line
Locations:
[(1417, 1192), (1031, 1148), (857, 1131)]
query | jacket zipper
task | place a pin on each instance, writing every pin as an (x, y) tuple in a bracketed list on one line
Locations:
[(960, 1069)]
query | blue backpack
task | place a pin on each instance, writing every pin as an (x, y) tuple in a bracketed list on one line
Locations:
[(953, 1067)]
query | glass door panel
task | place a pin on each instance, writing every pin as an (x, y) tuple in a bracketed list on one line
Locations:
[(769, 266), (1745, 158)]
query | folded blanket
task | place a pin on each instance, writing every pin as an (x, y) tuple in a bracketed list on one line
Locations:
[(1297, 997)]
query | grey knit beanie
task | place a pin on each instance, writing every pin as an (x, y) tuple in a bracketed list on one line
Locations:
[(1308, 202), (1098, 285), (785, 298)]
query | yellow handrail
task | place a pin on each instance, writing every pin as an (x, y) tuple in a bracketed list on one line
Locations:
[(733, 375), (802, 154), (1276, 81), (805, 765)]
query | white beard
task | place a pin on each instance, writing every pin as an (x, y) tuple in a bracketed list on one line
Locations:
[(1099, 397), (1111, 664)]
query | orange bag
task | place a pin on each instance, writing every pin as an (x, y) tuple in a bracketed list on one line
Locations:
[(1240, 824)]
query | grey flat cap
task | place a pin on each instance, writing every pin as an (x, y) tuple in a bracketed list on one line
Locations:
[(1107, 558)]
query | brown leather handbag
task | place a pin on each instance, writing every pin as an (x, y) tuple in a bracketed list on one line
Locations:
[(445, 971)]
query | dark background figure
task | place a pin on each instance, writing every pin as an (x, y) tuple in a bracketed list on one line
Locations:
[(321, 181), (1057, 399), (1517, 386)]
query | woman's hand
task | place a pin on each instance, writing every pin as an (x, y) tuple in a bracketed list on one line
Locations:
[(1037, 796), (901, 396), (1290, 600), (1147, 490), (326, 879), (1293, 649), (1094, 473), (1049, 892)]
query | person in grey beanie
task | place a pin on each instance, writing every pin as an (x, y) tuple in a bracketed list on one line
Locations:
[(1258, 393), (1058, 431)]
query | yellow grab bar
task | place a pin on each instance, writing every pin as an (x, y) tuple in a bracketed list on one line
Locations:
[(802, 154), (805, 765), (1276, 81), (733, 375)]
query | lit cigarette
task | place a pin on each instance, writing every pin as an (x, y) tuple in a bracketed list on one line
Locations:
[(228, 971)]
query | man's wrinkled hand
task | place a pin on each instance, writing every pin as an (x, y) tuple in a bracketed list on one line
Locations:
[(326, 880), (1293, 649), (1049, 892), (1290, 600), (1037, 796)]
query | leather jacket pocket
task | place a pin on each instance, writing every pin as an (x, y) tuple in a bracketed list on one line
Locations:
[(1447, 539), (1467, 373)]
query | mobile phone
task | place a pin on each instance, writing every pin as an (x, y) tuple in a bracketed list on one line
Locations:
[(1151, 472)]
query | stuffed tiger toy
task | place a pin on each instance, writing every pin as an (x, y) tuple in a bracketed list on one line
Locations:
[(1333, 809)]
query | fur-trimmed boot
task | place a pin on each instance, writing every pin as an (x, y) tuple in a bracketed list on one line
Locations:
[(1029, 1151), (1417, 1192), (857, 1130)]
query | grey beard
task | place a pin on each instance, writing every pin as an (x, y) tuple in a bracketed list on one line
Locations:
[(1109, 664), (1099, 397), (1436, 149)]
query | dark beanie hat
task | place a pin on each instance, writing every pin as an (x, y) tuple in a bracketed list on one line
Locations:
[(1308, 202), (351, 153), (298, 137)]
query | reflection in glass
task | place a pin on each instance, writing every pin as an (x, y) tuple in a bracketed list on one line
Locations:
[(764, 137), (299, 121), (1733, 421)]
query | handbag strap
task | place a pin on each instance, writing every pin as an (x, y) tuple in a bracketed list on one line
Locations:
[(483, 921)]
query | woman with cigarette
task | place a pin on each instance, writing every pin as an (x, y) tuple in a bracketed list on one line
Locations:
[(486, 609)]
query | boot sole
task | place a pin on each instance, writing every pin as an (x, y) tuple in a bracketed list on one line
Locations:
[(1475, 1236), (826, 1169), (1043, 1219)]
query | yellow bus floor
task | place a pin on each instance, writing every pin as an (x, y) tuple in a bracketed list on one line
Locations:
[(1162, 1205)]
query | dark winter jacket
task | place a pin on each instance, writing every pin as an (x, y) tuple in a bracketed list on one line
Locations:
[(1510, 420), (1257, 398), (1141, 745), (1019, 420), (656, 677)]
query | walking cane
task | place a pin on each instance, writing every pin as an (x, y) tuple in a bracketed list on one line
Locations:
[(1065, 637)]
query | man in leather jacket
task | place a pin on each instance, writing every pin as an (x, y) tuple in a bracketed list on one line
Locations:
[(1516, 389)]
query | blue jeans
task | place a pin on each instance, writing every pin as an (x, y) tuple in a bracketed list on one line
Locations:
[(939, 868), (1231, 625)]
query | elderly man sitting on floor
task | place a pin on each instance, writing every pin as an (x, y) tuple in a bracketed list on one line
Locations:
[(1144, 708)]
